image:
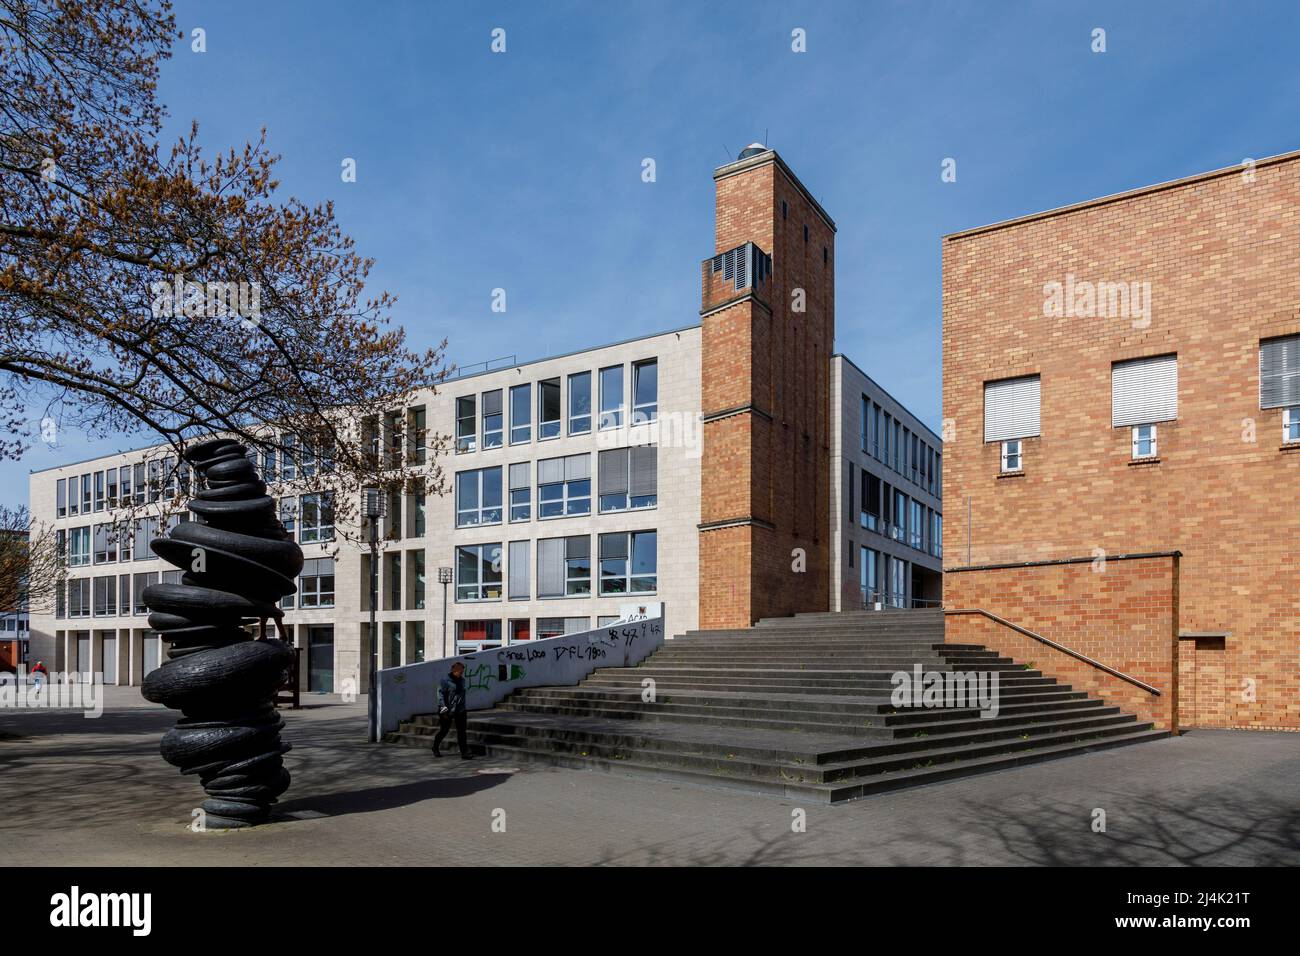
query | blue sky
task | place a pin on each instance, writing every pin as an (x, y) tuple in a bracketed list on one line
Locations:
[(522, 170)]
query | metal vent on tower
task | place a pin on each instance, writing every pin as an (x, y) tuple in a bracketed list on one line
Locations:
[(753, 149)]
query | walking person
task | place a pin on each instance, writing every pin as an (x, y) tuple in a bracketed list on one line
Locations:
[(451, 707), (39, 674)]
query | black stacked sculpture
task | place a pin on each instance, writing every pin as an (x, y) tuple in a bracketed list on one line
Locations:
[(238, 561)]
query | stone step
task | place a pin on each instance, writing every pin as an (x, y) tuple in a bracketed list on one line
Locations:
[(913, 723), (854, 778), (766, 704)]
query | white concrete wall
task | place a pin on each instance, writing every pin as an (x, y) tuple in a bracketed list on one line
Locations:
[(492, 675)]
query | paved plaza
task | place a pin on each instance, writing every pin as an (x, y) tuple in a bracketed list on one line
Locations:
[(94, 792)]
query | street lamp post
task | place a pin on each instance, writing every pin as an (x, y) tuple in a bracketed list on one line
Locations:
[(374, 505), (444, 578)]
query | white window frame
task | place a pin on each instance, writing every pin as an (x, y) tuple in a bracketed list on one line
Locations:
[(317, 530), (480, 512), (481, 586), (493, 437), (612, 417), (644, 412), (466, 425), (521, 432), (1017, 454), (1154, 452), (1291, 422), (579, 423), (543, 424)]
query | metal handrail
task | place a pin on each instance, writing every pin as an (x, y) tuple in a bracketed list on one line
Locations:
[(889, 600), (1055, 646)]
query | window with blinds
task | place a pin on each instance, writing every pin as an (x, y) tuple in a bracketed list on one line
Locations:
[(1144, 391), (518, 571), (1012, 408), (564, 566), (1279, 372), (628, 478)]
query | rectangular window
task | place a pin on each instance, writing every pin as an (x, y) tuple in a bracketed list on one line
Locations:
[(864, 426), (645, 391), (85, 494), (897, 445), (628, 563), (99, 491), (916, 526), (61, 498), (1011, 408), (1144, 391), (138, 583), (629, 478), (417, 435), (124, 484), (870, 516), (1291, 424), (124, 594), (869, 576), (611, 397), (112, 487), (884, 443), (268, 465), (875, 431), (1144, 441), (564, 486), (1279, 372), (493, 420), (316, 583), (518, 570), (521, 414), (521, 492), (105, 542), (317, 514), (936, 536), (466, 425), (900, 516), (478, 572), (417, 581), (559, 626), (478, 497), (1011, 455), (548, 409), (289, 457), (79, 547), (577, 566), (579, 403), (106, 596), (79, 598)]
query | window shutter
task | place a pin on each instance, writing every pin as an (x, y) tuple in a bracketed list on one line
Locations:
[(613, 472), (1144, 391), (1012, 408), (643, 476), (576, 625), (550, 471), (578, 546), (550, 567), (613, 547), (519, 475), (518, 558), (577, 467), (1279, 372), (492, 403)]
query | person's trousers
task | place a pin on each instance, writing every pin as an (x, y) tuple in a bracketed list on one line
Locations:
[(444, 725)]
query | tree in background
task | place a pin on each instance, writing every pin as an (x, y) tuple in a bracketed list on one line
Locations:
[(148, 289), (31, 565)]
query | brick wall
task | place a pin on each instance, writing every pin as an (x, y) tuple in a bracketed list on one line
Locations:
[(1123, 613), (1220, 252), (764, 469)]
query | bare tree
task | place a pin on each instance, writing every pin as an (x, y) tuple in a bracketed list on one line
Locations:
[(149, 289), (31, 563)]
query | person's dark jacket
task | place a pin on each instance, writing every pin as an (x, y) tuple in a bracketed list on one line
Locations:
[(451, 694)]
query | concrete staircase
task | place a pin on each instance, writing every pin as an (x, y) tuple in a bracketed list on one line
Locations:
[(795, 706)]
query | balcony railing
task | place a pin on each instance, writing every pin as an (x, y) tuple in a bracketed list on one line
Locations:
[(729, 274)]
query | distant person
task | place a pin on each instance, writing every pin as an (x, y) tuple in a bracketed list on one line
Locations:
[(451, 706), (39, 674)]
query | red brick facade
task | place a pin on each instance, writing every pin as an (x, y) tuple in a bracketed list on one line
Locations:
[(1221, 254), (1123, 613), (765, 483)]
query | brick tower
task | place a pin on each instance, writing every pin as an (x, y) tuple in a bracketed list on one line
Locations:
[(768, 317)]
